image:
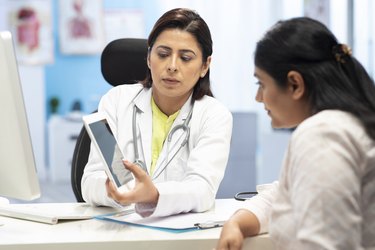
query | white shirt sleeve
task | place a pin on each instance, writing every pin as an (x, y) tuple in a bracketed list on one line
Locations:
[(261, 204)]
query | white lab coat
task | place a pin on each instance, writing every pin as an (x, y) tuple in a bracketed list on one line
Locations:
[(192, 178)]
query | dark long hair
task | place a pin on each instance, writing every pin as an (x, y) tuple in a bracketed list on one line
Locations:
[(333, 78), (190, 21)]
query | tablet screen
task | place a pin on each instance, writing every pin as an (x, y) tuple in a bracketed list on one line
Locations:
[(111, 152)]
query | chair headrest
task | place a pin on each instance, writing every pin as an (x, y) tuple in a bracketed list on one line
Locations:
[(124, 61)]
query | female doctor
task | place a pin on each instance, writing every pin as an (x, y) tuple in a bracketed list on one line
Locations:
[(173, 103)]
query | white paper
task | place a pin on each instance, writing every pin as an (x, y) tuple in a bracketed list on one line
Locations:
[(223, 209)]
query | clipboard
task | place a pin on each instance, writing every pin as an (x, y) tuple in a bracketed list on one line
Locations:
[(179, 223), (185, 222)]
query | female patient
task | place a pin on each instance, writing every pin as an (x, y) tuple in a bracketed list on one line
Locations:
[(325, 197), (179, 177)]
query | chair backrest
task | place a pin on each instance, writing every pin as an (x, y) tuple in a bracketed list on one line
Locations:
[(123, 61)]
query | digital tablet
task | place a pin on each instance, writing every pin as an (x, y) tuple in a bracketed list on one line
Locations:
[(104, 141)]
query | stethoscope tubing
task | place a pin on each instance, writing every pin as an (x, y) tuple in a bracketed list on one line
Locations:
[(184, 126), (240, 196), (137, 161)]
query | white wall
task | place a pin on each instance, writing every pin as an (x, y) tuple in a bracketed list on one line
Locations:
[(364, 33)]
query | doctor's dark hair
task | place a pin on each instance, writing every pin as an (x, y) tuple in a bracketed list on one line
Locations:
[(333, 78), (190, 21)]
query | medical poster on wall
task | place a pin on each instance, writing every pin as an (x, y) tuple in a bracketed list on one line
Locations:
[(81, 29), (31, 26), (318, 9), (124, 23)]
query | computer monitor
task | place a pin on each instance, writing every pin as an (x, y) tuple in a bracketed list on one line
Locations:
[(18, 175)]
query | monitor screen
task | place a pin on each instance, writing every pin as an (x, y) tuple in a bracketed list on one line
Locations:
[(18, 176)]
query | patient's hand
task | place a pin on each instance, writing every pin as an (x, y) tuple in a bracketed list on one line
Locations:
[(242, 223), (231, 237)]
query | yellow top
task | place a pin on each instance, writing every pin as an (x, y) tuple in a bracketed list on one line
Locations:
[(161, 124)]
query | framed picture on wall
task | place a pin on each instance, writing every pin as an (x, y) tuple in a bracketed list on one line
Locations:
[(30, 24), (81, 26), (318, 9), (124, 23)]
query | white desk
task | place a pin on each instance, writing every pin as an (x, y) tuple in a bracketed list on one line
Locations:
[(95, 234)]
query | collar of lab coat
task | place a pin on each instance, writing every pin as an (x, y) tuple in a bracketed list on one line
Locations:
[(143, 103), (144, 125)]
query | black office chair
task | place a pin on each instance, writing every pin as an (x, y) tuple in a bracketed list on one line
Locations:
[(123, 61)]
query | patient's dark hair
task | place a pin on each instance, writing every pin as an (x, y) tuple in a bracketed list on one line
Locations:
[(333, 78), (190, 21)]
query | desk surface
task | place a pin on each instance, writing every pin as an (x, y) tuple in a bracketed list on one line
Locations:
[(97, 234)]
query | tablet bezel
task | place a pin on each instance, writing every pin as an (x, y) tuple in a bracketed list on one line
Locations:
[(100, 117)]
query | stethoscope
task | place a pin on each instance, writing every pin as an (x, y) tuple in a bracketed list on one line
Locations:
[(242, 196), (184, 126)]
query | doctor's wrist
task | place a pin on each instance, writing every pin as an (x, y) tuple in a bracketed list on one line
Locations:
[(145, 209)]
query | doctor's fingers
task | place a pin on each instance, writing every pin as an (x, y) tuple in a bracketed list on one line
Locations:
[(123, 198), (110, 187), (137, 171)]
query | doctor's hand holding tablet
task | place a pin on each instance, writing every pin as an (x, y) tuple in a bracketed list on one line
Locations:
[(166, 128), (121, 173), (143, 191)]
